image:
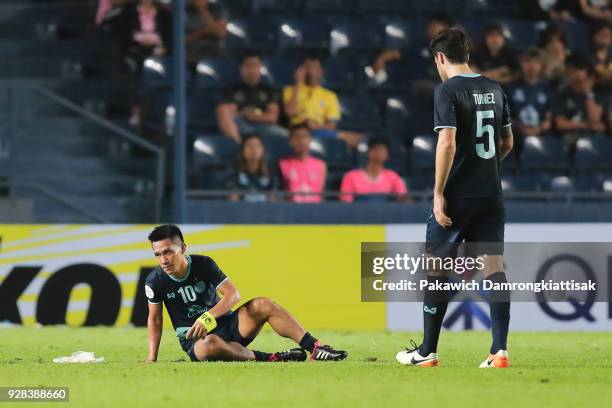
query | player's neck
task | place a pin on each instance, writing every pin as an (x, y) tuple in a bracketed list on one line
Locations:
[(182, 269), (458, 69)]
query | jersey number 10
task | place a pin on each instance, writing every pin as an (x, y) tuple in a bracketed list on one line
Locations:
[(187, 293), (481, 130)]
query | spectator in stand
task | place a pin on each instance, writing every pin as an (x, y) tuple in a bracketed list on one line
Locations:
[(206, 27), (377, 72), (374, 182), (495, 59), (578, 111), (562, 10), (302, 175), (146, 32), (252, 180), (250, 106), (307, 102), (531, 98), (554, 53), (109, 10), (602, 56), (596, 9)]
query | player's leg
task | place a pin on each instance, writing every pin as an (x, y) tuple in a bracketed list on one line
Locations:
[(489, 232), (440, 243), (214, 348), (259, 311)]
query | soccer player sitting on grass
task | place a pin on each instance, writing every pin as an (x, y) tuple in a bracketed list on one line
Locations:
[(207, 328)]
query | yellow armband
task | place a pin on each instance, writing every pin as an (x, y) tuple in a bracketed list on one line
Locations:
[(208, 321)]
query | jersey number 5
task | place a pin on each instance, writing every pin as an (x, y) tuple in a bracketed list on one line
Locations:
[(481, 130)]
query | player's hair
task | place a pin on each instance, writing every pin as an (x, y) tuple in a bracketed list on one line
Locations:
[(453, 43), (297, 126), (250, 54), (378, 141), (166, 231)]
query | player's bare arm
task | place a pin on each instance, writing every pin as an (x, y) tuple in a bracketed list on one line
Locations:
[(507, 142), (155, 323), (445, 152), (229, 298)]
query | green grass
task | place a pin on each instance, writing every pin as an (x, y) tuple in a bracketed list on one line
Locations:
[(548, 370)]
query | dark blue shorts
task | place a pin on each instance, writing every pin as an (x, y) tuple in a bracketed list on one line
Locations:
[(227, 329), (477, 221)]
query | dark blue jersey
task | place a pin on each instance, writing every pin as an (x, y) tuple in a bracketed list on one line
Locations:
[(188, 298), (478, 108)]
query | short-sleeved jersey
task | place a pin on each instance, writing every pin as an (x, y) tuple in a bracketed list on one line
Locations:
[(188, 298), (478, 108)]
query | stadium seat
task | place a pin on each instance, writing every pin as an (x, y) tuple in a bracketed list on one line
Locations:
[(423, 153), (519, 183), (342, 7), (577, 34), (156, 72), (593, 153), (561, 184), (397, 118), (279, 71), (253, 34), (216, 72), (276, 147), (390, 7), (214, 151), (334, 151), (276, 6), (359, 114), (339, 74), (520, 34), (201, 115), (544, 153), (420, 181), (305, 35), (399, 34), (363, 35)]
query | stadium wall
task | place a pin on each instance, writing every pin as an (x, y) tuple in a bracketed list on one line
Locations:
[(94, 274)]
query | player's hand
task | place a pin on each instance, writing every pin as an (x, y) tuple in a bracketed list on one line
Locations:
[(197, 331), (439, 210)]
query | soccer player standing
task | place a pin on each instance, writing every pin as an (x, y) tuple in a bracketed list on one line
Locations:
[(472, 118)]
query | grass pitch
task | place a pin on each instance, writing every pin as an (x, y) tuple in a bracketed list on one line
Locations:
[(548, 369)]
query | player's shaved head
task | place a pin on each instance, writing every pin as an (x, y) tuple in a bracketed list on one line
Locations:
[(453, 43), (167, 231)]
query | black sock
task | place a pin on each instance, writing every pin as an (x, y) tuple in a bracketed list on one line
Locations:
[(261, 355), (434, 308), (499, 304), (308, 342)]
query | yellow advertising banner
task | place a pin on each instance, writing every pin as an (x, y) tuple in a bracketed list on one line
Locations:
[(93, 274)]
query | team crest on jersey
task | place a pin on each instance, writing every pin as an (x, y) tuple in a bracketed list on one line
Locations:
[(200, 287)]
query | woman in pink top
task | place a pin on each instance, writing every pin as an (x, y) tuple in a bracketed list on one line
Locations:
[(302, 173), (374, 180)]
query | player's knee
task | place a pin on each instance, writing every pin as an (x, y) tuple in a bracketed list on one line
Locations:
[(263, 306), (209, 347)]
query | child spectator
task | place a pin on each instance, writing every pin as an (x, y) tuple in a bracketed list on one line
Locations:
[(374, 182), (252, 177), (303, 176), (250, 106)]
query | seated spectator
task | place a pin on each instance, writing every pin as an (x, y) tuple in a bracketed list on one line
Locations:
[(531, 98), (602, 56), (374, 182), (109, 9), (307, 102), (495, 59), (206, 27), (578, 110), (554, 52), (562, 10), (146, 32), (596, 9), (252, 178), (250, 106), (377, 73), (302, 173)]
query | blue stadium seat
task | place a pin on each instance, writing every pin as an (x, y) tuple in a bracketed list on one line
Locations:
[(253, 33), (544, 153), (420, 181), (279, 71), (306, 34), (359, 114), (519, 183), (392, 7), (329, 6), (593, 153), (356, 35), (214, 151), (334, 151), (154, 103), (397, 117), (276, 147), (606, 185), (216, 72), (201, 110), (399, 34), (577, 34), (423, 153), (339, 74), (276, 6), (521, 34), (561, 184), (156, 72)]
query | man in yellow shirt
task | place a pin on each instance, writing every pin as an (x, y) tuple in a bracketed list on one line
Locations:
[(306, 101)]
